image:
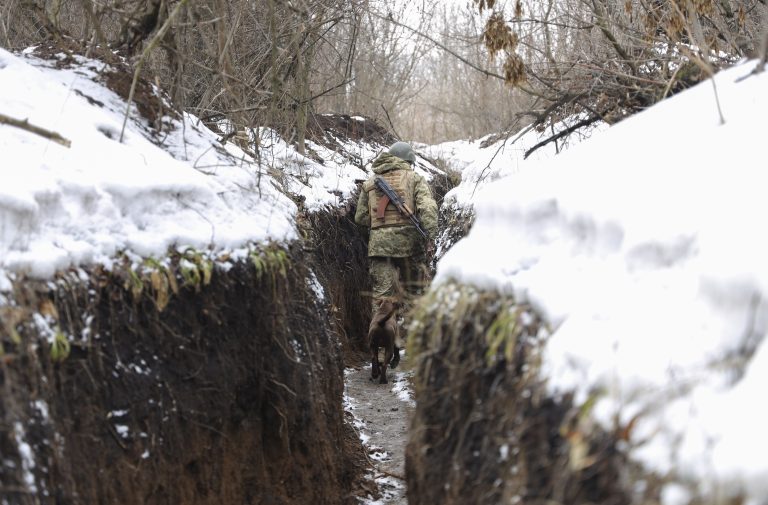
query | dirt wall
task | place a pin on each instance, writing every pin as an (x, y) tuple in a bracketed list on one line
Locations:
[(484, 430), (340, 257), (231, 394)]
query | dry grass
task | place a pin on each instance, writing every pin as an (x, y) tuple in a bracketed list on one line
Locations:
[(485, 431)]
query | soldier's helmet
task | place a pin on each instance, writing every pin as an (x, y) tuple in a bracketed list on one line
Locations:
[(404, 151)]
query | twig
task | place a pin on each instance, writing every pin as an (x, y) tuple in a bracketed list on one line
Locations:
[(564, 133), (482, 175), (326, 91), (25, 125), (15, 490), (521, 86), (441, 46), (199, 213), (390, 122), (763, 53), (601, 23), (707, 68), (671, 82), (762, 59), (114, 434), (278, 383), (216, 113), (717, 100), (384, 472), (152, 43), (206, 426)]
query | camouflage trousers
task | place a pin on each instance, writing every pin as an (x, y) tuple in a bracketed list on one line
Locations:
[(401, 280)]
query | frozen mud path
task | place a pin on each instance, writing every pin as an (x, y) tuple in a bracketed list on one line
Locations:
[(382, 413)]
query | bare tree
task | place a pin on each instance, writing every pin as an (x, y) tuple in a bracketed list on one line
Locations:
[(431, 71), (610, 58)]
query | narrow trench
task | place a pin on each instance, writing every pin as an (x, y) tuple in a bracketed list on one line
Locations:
[(381, 413), (229, 391)]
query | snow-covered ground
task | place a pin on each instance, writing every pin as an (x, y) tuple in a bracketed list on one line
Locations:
[(63, 206), (87, 203), (485, 160), (642, 247)]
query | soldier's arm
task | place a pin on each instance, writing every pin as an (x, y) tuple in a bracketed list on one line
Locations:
[(426, 207), (362, 216)]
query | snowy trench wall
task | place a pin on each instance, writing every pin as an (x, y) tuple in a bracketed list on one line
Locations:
[(230, 394), (599, 335), (485, 430)]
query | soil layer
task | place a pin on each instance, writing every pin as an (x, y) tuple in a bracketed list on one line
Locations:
[(231, 394)]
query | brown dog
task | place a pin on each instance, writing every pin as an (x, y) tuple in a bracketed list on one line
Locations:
[(382, 333)]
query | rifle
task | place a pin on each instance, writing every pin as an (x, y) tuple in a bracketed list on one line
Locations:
[(390, 195)]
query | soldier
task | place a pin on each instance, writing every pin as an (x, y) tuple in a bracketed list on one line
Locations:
[(397, 252)]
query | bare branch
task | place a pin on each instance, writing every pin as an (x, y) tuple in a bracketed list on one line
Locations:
[(443, 47), (563, 133), (25, 125)]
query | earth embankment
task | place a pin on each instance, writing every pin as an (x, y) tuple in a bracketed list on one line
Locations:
[(220, 383)]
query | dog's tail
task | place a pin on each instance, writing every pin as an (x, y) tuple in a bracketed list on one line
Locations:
[(386, 310)]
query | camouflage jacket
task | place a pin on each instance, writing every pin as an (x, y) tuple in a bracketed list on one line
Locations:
[(399, 241)]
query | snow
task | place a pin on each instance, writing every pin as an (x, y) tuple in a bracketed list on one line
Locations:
[(314, 283), (42, 407), (179, 188), (122, 430), (27, 457), (642, 248), (391, 489), (319, 185), (401, 383), (67, 206), (485, 160), (44, 328)]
